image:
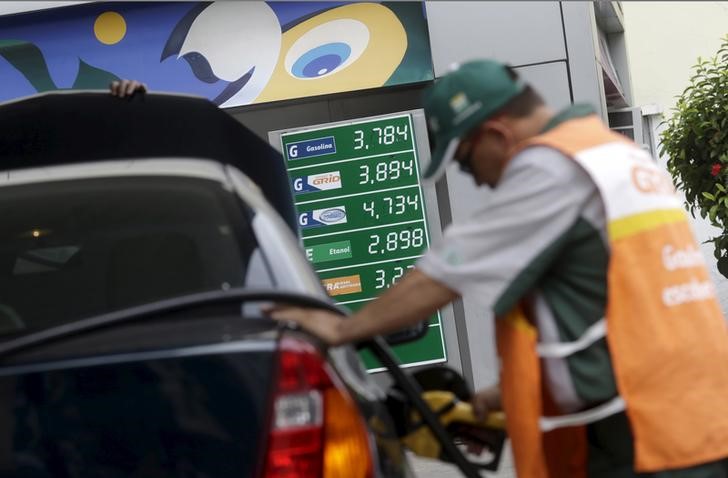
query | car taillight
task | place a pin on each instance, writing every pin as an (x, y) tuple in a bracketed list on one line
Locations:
[(316, 430)]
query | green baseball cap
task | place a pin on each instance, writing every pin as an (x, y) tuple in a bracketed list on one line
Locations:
[(460, 101)]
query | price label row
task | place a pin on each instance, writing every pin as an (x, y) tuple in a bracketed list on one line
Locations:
[(369, 138), (381, 244), (361, 211), (364, 282), (351, 177)]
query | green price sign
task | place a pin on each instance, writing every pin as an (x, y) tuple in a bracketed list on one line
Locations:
[(361, 213)]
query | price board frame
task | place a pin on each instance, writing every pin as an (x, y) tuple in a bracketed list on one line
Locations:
[(352, 180)]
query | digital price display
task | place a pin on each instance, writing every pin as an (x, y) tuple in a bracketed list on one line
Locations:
[(361, 213)]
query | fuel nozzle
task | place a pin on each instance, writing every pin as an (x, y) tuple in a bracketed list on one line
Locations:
[(481, 441)]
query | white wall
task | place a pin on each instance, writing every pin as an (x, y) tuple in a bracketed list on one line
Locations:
[(664, 40)]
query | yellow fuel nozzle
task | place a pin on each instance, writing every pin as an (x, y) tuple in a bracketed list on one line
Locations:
[(453, 410), (458, 418)]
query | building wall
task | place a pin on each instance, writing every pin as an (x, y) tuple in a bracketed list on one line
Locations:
[(664, 41)]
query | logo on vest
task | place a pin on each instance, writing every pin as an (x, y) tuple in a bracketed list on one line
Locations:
[(650, 180)]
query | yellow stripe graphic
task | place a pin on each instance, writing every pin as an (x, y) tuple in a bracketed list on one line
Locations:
[(631, 225), (517, 319)]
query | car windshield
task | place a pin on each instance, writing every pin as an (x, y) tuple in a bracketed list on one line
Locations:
[(79, 248)]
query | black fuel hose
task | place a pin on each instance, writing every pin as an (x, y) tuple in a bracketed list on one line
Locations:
[(411, 388)]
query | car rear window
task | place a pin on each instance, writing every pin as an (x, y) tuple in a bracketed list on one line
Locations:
[(79, 248)]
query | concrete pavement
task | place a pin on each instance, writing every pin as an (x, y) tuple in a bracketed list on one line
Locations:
[(425, 468)]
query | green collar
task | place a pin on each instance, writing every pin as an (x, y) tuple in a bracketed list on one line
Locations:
[(578, 110)]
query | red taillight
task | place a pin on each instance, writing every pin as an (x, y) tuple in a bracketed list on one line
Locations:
[(316, 430)]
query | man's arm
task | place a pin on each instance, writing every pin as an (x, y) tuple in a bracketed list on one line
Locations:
[(492, 256), (412, 299)]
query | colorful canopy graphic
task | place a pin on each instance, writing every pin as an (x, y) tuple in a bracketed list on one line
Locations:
[(233, 53)]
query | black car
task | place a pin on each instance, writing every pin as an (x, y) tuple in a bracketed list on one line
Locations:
[(137, 245)]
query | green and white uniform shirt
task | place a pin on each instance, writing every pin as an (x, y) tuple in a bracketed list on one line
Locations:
[(541, 236)]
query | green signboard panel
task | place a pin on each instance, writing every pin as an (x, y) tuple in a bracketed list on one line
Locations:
[(361, 213)]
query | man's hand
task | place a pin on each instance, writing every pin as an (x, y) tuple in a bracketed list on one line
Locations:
[(411, 300), (485, 401), (123, 88), (323, 324)]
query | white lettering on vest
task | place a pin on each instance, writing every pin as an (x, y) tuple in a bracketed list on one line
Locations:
[(673, 258), (692, 291)]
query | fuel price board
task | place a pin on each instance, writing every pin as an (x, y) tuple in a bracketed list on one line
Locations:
[(361, 213)]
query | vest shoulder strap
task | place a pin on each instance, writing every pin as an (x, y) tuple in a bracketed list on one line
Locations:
[(576, 135)]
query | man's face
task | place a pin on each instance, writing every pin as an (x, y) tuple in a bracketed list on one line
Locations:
[(484, 153)]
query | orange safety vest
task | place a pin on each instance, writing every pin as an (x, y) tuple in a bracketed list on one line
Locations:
[(667, 337)]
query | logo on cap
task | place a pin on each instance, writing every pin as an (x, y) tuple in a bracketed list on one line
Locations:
[(459, 102)]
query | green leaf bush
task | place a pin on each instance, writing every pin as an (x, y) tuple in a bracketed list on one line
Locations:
[(695, 143)]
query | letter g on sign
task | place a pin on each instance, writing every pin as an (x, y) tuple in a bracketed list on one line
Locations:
[(293, 151)]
